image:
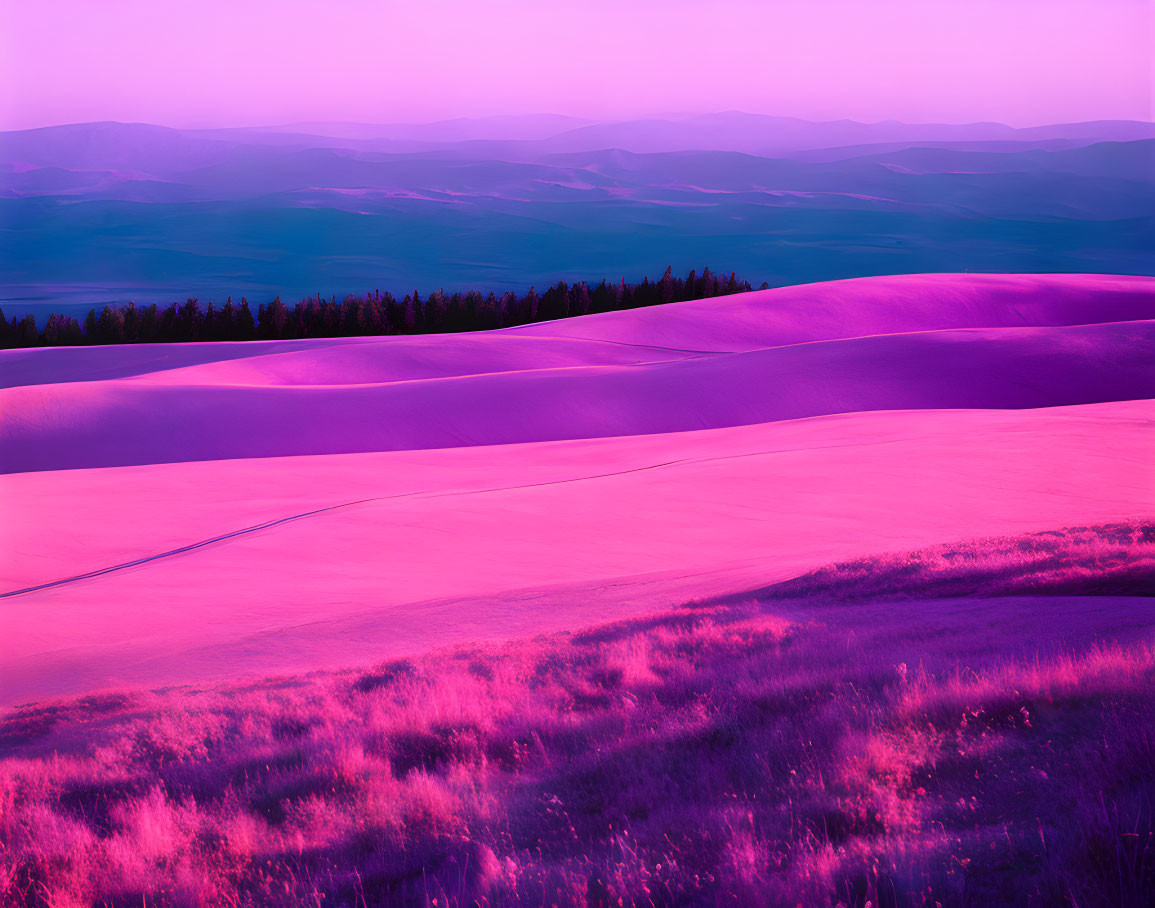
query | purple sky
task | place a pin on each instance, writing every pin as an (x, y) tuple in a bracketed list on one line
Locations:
[(248, 62)]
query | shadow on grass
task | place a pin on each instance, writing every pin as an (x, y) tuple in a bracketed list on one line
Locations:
[(719, 753)]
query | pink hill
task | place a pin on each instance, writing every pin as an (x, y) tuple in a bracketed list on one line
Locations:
[(768, 318), (397, 552), (485, 486), (520, 386), (875, 305)]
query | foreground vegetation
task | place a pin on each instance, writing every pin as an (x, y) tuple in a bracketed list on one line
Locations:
[(374, 313), (744, 753)]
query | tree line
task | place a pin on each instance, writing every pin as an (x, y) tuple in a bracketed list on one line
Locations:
[(371, 314)]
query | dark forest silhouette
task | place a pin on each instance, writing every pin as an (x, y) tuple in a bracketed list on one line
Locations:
[(374, 313)]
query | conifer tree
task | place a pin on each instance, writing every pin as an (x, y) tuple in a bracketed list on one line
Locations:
[(690, 288), (51, 335), (91, 328), (708, 285), (272, 320), (507, 309), (579, 299), (666, 287), (374, 313), (530, 305), (554, 302), (131, 326), (27, 334)]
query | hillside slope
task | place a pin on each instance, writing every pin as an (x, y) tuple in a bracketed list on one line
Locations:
[(833, 310), (935, 342), (392, 553), (544, 478)]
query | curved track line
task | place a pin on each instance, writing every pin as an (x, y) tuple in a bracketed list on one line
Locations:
[(179, 551), (256, 528), (269, 524)]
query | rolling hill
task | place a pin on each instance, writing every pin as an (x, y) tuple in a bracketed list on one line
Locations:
[(569, 472)]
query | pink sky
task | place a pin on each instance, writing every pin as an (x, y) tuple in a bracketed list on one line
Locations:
[(247, 62)]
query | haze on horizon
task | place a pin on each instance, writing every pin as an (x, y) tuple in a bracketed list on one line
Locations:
[(214, 63)]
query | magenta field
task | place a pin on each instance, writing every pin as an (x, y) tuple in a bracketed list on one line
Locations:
[(601, 454), (848, 737), (836, 594)]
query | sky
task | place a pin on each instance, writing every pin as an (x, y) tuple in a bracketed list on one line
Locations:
[(207, 63)]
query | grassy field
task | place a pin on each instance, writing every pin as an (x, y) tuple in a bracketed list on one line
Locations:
[(945, 727)]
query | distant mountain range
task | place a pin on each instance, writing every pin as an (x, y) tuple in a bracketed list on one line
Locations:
[(111, 145), (105, 212)]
